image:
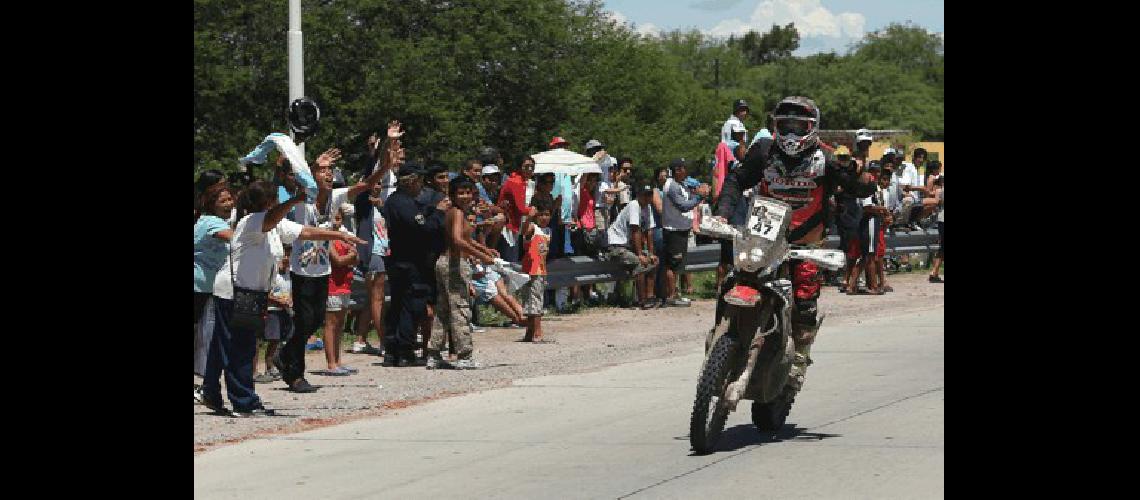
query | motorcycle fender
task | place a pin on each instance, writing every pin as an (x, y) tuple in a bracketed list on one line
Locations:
[(770, 377)]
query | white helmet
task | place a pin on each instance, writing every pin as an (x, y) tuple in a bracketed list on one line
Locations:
[(796, 124)]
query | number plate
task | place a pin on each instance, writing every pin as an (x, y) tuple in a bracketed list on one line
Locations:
[(766, 219)]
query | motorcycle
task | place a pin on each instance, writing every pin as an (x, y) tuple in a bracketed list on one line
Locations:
[(749, 354)]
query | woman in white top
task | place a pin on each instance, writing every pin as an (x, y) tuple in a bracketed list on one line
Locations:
[(255, 248)]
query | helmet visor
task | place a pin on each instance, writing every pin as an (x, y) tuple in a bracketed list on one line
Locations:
[(793, 126)]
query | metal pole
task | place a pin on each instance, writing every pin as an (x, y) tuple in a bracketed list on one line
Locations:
[(296, 65)]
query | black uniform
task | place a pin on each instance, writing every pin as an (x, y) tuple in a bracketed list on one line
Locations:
[(412, 227)]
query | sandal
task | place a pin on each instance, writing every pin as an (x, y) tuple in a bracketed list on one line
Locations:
[(338, 372)]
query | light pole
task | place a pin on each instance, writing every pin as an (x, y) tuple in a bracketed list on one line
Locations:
[(296, 64)]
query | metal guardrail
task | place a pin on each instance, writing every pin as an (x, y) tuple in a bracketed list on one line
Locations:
[(582, 270)]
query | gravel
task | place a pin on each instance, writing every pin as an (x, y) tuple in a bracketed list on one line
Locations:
[(587, 341)]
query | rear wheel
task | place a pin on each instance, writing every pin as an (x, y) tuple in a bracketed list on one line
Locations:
[(770, 416), (708, 416)]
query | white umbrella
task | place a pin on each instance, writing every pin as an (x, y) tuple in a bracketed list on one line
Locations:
[(564, 161)]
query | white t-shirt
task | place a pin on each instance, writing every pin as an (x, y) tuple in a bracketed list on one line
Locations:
[(255, 254), (908, 176), (726, 130), (311, 258), (632, 214), (387, 182)]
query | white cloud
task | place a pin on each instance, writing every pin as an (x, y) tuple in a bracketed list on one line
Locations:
[(819, 28), (644, 29)]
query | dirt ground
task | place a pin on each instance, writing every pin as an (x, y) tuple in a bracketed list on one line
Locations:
[(588, 341)]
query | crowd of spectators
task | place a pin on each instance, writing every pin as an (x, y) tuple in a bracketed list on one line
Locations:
[(318, 248)]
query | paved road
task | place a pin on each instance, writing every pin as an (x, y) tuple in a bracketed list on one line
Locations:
[(869, 424)]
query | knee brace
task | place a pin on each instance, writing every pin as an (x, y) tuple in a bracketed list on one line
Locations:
[(805, 313), (805, 322)]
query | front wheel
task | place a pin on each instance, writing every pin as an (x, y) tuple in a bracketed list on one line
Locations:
[(709, 415)]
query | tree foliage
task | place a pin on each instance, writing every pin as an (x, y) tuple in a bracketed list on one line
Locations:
[(776, 44), (512, 73)]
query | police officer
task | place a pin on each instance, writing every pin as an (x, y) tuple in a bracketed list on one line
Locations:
[(412, 226)]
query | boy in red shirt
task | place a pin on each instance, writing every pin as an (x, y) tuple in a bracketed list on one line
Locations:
[(534, 264)]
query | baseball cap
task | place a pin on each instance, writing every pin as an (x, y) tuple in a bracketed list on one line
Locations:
[(890, 151), (490, 169), (594, 143), (842, 151), (410, 168), (435, 168), (740, 103), (863, 135), (557, 140), (646, 189), (677, 162)]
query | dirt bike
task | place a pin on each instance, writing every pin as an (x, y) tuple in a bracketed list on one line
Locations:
[(749, 354)]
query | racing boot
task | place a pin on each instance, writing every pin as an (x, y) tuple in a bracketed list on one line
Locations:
[(798, 373)]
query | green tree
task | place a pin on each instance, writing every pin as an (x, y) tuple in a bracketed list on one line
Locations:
[(775, 44)]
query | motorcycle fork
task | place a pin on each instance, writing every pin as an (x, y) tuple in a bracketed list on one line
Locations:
[(735, 391)]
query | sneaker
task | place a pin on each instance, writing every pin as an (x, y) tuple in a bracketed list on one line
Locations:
[(315, 346), (364, 348), (468, 364), (215, 404), (438, 363), (680, 302), (477, 329), (260, 411), (337, 372), (349, 369), (275, 374), (263, 378), (935, 279), (302, 386), (198, 397)]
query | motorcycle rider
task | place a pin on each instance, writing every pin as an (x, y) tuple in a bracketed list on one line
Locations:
[(792, 167)]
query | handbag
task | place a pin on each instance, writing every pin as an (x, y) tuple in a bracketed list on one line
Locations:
[(250, 306)]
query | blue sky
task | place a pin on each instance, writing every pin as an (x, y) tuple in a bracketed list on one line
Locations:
[(823, 24)]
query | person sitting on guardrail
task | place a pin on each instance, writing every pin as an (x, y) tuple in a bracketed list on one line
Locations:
[(536, 245), (631, 243)]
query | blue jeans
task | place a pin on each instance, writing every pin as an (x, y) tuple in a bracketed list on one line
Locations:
[(232, 351)]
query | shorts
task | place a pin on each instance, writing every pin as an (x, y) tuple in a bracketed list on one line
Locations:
[(338, 302), (676, 248), (623, 254), (868, 237), (725, 252), (278, 326), (485, 289), (375, 264), (881, 250), (358, 295), (199, 304), (531, 295)]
